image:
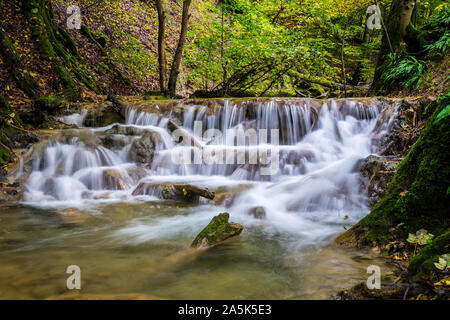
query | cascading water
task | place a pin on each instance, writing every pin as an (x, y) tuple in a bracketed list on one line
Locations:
[(312, 192), (292, 190)]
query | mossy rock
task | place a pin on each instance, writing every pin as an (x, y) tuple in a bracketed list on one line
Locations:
[(218, 230), (417, 197), (423, 263), (48, 103)]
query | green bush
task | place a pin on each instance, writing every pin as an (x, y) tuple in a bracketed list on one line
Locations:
[(403, 69)]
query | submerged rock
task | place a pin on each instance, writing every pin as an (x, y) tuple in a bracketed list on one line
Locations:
[(172, 191), (258, 212), (218, 230), (114, 179)]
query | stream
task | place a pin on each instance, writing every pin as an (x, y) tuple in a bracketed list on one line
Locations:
[(286, 173)]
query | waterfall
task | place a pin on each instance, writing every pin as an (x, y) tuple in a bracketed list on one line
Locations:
[(312, 148)]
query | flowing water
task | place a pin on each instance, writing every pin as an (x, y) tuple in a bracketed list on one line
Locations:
[(80, 208)]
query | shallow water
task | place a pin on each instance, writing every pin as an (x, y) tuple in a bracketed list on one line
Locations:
[(36, 247)]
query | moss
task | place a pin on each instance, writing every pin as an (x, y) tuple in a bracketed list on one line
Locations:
[(423, 263), (219, 229), (417, 195), (56, 45), (18, 70), (49, 102)]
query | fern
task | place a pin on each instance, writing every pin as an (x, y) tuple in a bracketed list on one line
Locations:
[(439, 25), (440, 46), (403, 69)]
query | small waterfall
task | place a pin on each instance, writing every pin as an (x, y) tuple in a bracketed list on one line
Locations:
[(312, 148)]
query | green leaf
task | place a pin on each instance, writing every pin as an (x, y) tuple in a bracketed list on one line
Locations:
[(443, 114)]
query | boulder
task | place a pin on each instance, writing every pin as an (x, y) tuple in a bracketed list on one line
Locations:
[(375, 175), (218, 230), (172, 191), (103, 114), (142, 150)]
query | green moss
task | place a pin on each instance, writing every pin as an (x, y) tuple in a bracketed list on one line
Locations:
[(49, 102), (216, 231), (423, 263), (417, 195)]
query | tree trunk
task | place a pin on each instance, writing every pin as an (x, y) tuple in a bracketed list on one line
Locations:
[(396, 25), (56, 45), (18, 70), (175, 69), (162, 62)]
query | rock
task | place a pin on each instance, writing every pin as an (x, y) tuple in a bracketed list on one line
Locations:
[(171, 191), (258, 212), (48, 104), (143, 149), (11, 193), (227, 196), (399, 125), (375, 175), (125, 130), (218, 230), (114, 142), (114, 179), (103, 114), (136, 173), (183, 134)]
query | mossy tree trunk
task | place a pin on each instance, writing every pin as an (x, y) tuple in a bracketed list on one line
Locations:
[(396, 24), (419, 194), (7, 117), (17, 68), (56, 45)]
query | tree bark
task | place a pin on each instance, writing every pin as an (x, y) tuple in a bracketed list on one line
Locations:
[(162, 62), (18, 70), (175, 69), (396, 24)]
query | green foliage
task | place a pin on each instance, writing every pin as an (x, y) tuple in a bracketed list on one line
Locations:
[(439, 24), (133, 56), (421, 237), (267, 46), (423, 264), (403, 69), (443, 262), (440, 46)]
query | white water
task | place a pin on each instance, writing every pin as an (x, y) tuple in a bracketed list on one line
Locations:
[(312, 197)]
